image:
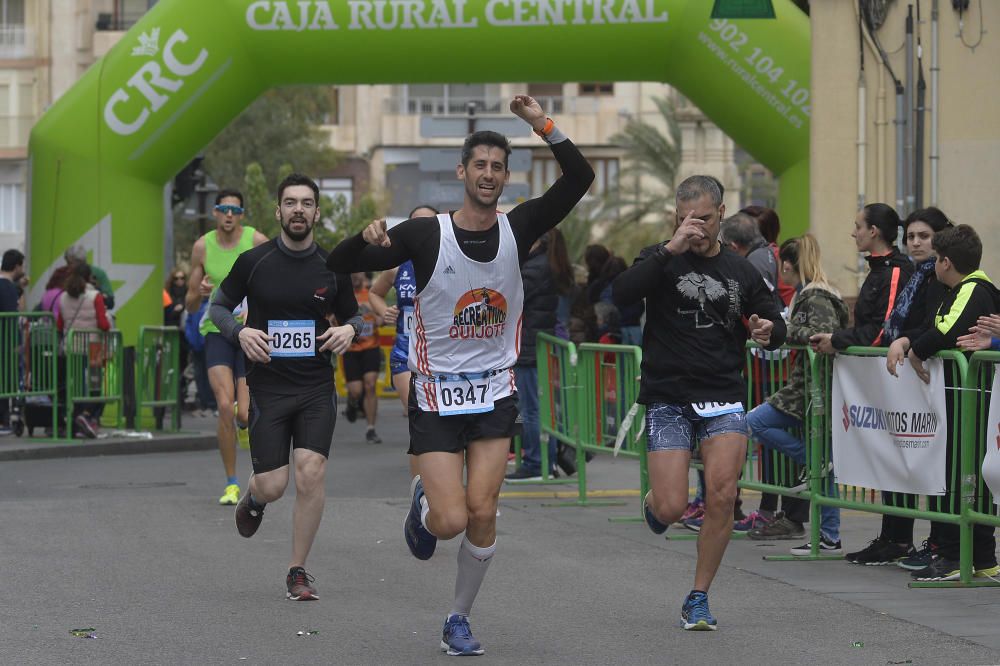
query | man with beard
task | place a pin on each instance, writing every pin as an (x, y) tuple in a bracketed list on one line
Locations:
[(467, 309), (288, 341), (211, 259)]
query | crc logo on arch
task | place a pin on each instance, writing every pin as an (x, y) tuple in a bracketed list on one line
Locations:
[(153, 84), (479, 313)]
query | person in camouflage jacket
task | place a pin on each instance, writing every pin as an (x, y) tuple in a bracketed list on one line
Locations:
[(815, 309)]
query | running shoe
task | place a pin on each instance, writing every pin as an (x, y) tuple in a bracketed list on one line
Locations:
[(457, 639), (826, 547), (421, 542), (231, 495), (523, 474), (778, 529), (84, 427), (986, 570), (695, 509), (880, 552), (752, 521), (372, 437), (248, 519), (566, 459), (651, 520), (243, 437), (695, 614), (939, 569), (919, 559), (351, 411), (300, 585)]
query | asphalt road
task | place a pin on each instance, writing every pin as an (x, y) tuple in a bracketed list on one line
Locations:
[(136, 548)]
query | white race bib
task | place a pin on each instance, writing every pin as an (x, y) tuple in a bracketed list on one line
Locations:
[(292, 337), (409, 320), (709, 409), (464, 396)]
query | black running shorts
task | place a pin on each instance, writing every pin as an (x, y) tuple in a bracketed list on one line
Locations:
[(279, 422), (429, 431), (219, 351), (358, 364)]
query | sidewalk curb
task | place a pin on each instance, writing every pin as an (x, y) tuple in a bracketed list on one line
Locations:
[(199, 441)]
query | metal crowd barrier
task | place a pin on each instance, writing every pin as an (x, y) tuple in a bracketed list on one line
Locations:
[(158, 381), (29, 349), (94, 371)]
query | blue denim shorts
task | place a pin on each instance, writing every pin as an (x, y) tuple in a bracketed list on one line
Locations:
[(672, 427)]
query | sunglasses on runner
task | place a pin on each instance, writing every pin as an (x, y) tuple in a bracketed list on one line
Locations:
[(228, 208)]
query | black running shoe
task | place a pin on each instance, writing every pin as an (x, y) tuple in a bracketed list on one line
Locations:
[(351, 411), (420, 541), (566, 459), (300, 585), (880, 552), (372, 437), (651, 520), (247, 519)]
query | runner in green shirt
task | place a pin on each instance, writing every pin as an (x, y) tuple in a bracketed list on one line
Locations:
[(212, 257)]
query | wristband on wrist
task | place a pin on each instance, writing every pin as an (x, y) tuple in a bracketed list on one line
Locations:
[(547, 129)]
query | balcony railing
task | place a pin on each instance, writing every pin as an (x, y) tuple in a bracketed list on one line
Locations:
[(459, 106), (16, 41)]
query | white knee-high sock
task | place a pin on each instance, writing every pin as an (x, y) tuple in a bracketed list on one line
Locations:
[(472, 564)]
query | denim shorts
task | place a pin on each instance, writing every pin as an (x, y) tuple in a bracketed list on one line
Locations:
[(672, 427)]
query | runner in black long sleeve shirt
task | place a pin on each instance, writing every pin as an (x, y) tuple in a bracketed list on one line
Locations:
[(290, 293), (467, 313), (693, 348)]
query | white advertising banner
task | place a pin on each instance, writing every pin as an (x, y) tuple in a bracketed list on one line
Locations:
[(991, 462), (889, 433)]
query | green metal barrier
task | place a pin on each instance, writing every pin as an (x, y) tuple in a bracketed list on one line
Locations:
[(158, 371), (557, 401), (870, 499), (608, 376), (29, 348), (978, 506), (94, 370)]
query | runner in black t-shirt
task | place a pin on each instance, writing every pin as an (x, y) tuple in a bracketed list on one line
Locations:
[(288, 341), (697, 294)]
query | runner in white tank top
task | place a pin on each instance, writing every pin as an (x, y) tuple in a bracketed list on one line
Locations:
[(462, 407), (468, 325)]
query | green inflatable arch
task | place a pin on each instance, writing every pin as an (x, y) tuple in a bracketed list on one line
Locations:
[(102, 156)]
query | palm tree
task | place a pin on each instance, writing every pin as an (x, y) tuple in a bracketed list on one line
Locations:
[(651, 161)]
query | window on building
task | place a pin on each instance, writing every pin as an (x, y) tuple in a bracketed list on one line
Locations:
[(11, 208), (549, 95), (12, 13), (545, 171), (448, 98), (597, 89), (337, 187)]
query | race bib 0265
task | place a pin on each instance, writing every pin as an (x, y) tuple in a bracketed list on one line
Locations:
[(292, 337)]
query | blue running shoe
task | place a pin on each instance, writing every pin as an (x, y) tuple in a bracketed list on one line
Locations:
[(421, 542), (651, 520), (695, 614), (457, 639)]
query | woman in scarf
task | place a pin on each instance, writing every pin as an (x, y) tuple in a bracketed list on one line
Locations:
[(912, 313)]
